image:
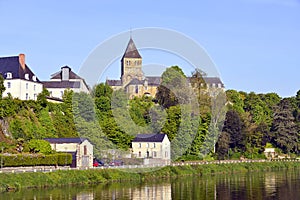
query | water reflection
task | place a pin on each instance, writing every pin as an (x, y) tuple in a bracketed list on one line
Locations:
[(269, 185)]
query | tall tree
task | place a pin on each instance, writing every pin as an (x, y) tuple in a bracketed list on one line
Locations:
[(173, 89), (285, 131)]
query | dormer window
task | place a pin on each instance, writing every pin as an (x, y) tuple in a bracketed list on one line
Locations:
[(34, 78), (8, 75), (27, 76)]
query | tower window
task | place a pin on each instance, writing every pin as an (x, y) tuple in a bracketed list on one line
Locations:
[(8, 85), (128, 62)]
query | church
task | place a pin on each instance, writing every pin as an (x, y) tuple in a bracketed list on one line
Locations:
[(135, 83)]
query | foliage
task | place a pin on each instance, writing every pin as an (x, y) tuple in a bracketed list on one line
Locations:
[(17, 160), (39, 146)]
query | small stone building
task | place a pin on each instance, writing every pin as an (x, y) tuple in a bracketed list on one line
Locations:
[(80, 148)]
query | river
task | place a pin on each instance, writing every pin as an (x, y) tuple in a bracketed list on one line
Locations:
[(255, 185)]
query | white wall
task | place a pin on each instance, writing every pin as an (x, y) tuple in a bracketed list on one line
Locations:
[(22, 89), (58, 92), (162, 149)]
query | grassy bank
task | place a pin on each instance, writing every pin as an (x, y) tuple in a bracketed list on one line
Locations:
[(58, 178)]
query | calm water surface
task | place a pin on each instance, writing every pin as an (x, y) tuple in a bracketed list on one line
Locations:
[(268, 185)]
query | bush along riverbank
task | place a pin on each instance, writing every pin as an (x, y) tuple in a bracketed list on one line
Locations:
[(10, 181)]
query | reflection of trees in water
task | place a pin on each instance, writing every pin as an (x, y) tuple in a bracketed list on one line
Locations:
[(256, 185)]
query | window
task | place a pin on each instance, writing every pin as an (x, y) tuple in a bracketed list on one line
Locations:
[(9, 75), (34, 78), (26, 96), (84, 150), (26, 86), (61, 93), (27, 76), (140, 154), (34, 87), (8, 85), (34, 96), (154, 154), (154, 145), (136, 89), (50, 93), (146, 87), (128, 62), (140, 145), (147, 145)]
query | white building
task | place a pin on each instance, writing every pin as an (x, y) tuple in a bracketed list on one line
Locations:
[(20, 82), (65, 79), (152, 147), (80, 148)]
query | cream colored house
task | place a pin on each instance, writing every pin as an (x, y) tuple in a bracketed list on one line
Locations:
[(63, 80), (20, 82), (80, 148), (154, 146)]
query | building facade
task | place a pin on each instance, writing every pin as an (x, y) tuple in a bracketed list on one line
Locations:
[(155, 146), (63, 80), (80, 148), (20, 82), (135, 83)]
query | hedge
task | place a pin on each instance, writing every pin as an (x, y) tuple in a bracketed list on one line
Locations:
[(18, 160)]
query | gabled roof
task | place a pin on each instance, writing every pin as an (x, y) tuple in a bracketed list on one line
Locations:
[(149, 138), (131, 51), (153, 80), (61, 84), (12, 65), (65, 140), (114, 82), (72, 75), (135, 81)]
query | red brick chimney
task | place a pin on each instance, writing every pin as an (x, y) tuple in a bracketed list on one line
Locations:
[(22, 60)]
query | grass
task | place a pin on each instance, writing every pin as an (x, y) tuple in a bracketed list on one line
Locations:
[(10, 181)]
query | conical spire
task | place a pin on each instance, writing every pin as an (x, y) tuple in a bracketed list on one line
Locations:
[(131, 51)]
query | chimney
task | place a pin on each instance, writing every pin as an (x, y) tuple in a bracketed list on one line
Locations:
[(65, 73), (22, 60)]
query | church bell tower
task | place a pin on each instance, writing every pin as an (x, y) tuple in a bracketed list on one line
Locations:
[(131, 64)]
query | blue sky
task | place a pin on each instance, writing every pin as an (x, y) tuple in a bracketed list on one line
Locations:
[(255, 44)]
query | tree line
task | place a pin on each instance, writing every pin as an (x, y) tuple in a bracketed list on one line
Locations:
[(187, 111)]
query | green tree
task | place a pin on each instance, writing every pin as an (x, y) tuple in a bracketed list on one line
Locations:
[(39, 146), (284, 130), (173, 89), (2, 87)]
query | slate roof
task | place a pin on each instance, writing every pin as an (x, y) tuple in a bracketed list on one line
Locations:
[(72, 75), (156, 80), (61, 84), (135, 81), (149, 138), (153, 80), (114, 82), (65, 140), (11, 64), (131, 51)]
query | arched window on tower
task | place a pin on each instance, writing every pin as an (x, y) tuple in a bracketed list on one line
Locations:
[(136, 89)]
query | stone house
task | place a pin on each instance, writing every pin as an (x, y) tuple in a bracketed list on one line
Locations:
[(20, 82), (152, 146), (80, 148)]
